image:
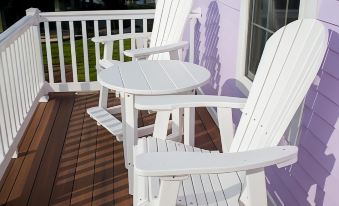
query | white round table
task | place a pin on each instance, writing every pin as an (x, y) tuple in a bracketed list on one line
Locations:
[(154, 77), (146, 78)]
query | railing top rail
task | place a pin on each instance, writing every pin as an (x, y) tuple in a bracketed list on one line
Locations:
[(103, 15), (96, 15), (13, 32)]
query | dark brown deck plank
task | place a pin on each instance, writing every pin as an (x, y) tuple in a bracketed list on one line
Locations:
[(63, 184), (43, 185), (84, 175), (103, 176), (24, 182), (13, 171), (210, 127), (121, 196)]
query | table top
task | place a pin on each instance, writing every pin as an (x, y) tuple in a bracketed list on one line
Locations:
[(154, 77)]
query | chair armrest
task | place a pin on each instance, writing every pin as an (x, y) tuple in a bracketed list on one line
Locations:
[(164, 164), (171, 102), (145, 52), (111, 38)]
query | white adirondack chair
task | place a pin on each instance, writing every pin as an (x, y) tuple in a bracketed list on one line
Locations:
[(164, 44), (172, 173)]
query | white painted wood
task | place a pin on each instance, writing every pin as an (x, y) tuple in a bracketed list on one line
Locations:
[(161, 124), (20, 73), (145, 30), (133, 32), (4, 119), (108, 121), (35, 64), (177, 122), (103, 98), (121, 42), (255, 193), (18, 89), (98, 15), (168, 192), (189, 126), (171, 102), (272, 104), (141, 183), (226, 128), (294, 55), (188, 185), (110, 38), (146, 52), (48, 53), (8, 93), (39, 55), (130, 132), (97, 46), (61, 51), (27, 68), (85, 49), (137, 77), (188, 163), (73, 52), (24, 81)]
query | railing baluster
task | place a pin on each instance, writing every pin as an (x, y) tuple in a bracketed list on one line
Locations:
[(25, 70), (5, 120), (29, 68), (73, 52), (30, 64), (61, 52), (8, 95), (34, 64), (108, 48), (16, 83), (97, 45), (23, 76), (133, 32), (27, 73), (85, 49), (49, 53), (121, 42), (38, 55), (145, 28), (12, 89)]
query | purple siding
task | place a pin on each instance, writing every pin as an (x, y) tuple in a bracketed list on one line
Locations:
[(314, 180)]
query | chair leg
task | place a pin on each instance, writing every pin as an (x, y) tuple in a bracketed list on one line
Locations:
[(177, 123), (169, 189), (255, 191), (189, 126), (103, 98)]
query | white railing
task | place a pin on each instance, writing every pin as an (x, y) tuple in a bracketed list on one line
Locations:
[(84, 77), (21, 81), (23, 52)]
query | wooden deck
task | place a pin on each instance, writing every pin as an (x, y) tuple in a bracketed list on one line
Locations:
[(66, 159)]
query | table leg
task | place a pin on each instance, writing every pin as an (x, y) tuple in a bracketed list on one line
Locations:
[(130, 135)]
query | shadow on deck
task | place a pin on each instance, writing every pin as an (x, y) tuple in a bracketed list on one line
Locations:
[(64, 158)]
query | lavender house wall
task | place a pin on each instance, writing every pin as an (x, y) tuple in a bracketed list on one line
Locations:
[(314, 180)]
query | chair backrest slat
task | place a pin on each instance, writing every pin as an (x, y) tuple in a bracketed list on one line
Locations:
[(289, 64), (169, 23)]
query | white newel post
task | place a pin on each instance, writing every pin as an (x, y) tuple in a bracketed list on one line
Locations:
[(37, 43)]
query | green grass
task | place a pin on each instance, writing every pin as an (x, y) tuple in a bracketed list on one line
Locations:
[(80, 56)]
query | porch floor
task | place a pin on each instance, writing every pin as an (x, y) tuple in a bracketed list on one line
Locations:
[(64, 158)]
